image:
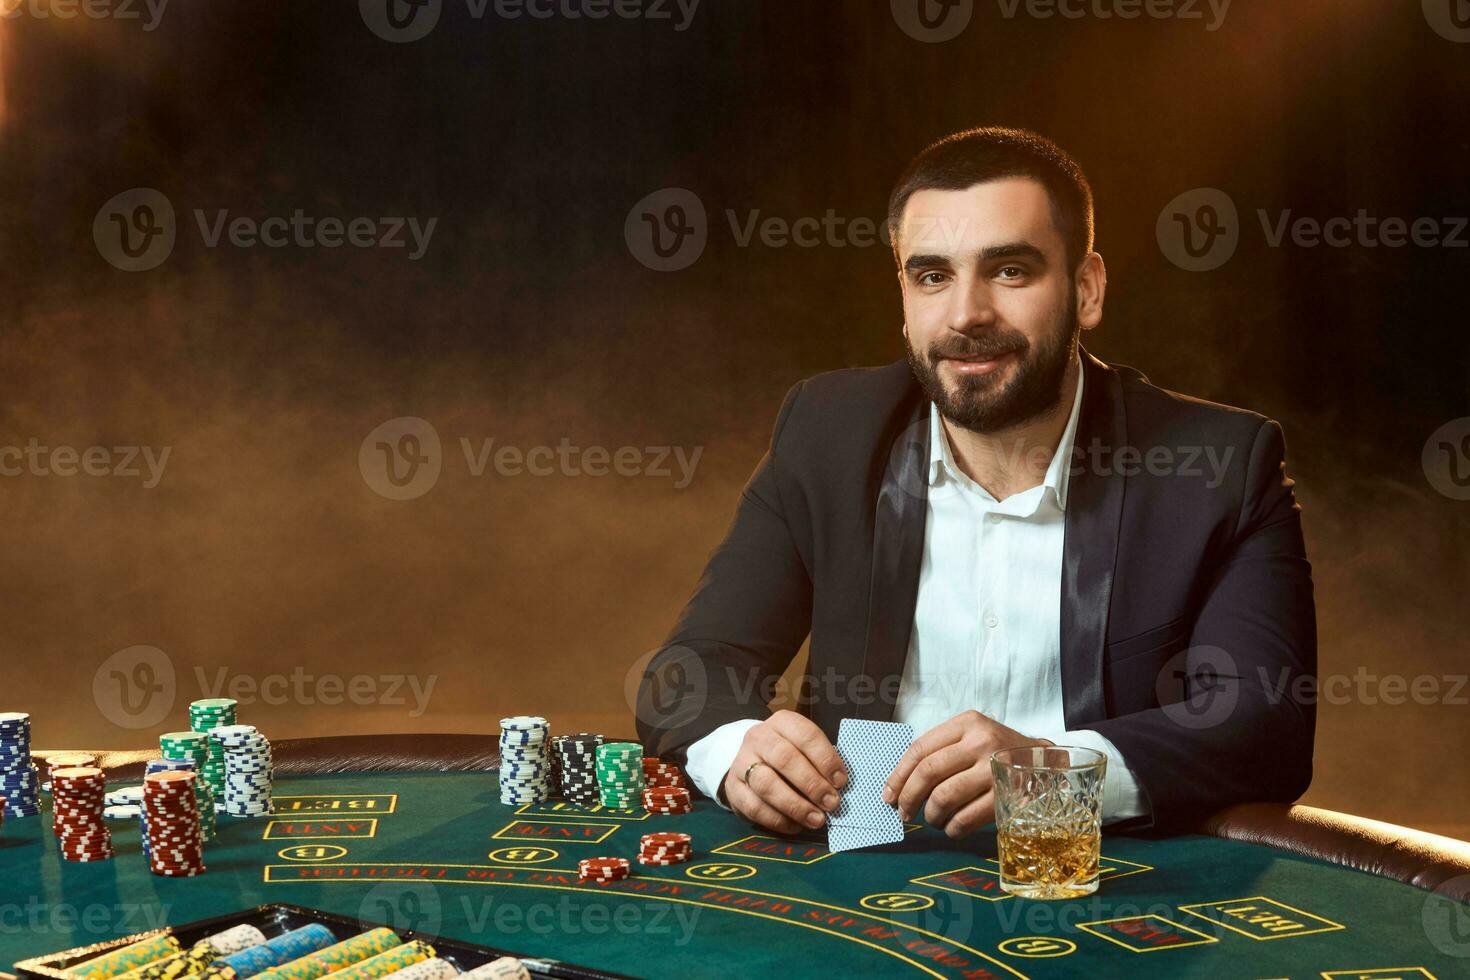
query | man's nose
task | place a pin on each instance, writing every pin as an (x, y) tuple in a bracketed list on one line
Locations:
[(973, 307)]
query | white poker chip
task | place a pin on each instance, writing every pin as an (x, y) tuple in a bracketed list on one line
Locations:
[(123, 811), (125, 795)]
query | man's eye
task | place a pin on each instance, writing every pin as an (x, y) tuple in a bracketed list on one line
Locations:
[(1011, 272), (931, 278)]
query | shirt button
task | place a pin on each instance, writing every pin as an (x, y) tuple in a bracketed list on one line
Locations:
[(991, 621), (994, 518)]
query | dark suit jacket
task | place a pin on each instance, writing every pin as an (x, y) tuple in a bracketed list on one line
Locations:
[(1187, 616)]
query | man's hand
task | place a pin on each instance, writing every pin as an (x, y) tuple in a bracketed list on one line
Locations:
[(797, 780), (950, 766)]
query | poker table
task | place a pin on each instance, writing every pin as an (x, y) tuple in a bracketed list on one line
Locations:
[(410, 832)]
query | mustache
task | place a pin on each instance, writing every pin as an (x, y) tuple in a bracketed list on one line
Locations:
[(971, 347)]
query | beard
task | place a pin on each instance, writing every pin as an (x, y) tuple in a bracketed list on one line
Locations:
[(986, 403)]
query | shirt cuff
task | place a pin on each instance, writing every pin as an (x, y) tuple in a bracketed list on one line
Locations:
[(710, 758), (1122, 796)]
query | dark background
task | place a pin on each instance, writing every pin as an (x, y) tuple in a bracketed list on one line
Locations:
[(264, 549)]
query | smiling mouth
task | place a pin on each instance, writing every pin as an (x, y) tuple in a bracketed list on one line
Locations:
[(979, 365)]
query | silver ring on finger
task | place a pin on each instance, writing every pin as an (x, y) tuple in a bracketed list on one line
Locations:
[(745, 777)]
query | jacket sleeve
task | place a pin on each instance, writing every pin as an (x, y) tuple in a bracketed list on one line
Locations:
[(1243, 729), (743, 625)]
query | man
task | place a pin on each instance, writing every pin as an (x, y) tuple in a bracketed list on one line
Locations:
[(1002, 542)]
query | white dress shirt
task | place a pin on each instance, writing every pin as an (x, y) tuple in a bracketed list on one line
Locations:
[(987, 621)]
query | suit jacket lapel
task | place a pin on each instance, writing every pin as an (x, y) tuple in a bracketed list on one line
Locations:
[(1094, 510), (898, 548)]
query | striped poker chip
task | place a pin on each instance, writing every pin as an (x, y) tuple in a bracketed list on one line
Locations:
[(604, 868)]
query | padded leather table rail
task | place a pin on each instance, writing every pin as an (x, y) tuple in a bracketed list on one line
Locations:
[(1414, 857)]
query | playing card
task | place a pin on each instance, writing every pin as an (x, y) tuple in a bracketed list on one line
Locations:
[(869, 750)]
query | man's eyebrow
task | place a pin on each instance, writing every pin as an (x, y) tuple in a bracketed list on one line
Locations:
[(1004, 250), (1013, 250), (916, 262)]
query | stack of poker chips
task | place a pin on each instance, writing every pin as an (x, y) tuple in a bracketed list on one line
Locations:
[(620, 774), (79, 795), (577, 755), (115, 963), (665, 848), (166, 765), (200, 957), (667, 800), (193, 746), (604, 869), (657, 772), (236, 939), (504, 968), (334, 958), (430, 969), (523, 760), (204, 716), (248, 772), (390, 961), (19, 784), (192, 961), (64, 760), (285, 948), (173, 844)]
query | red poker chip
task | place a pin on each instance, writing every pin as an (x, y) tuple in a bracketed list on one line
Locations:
[(603, 862)]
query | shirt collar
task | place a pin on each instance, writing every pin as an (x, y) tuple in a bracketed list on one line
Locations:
[(941, 460)]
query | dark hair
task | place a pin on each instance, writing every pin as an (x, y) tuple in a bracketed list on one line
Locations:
[(988, 153)]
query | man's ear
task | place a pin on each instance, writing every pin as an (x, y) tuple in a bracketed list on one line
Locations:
[(1092, 288)]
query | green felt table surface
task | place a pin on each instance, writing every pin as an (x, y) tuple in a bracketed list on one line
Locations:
[(440, 854)]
